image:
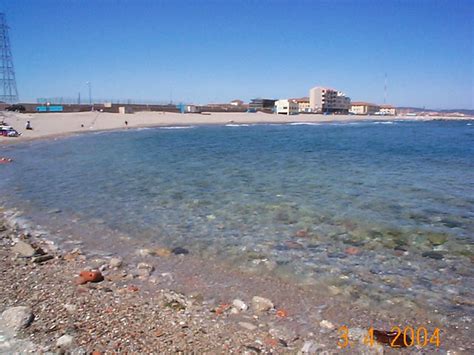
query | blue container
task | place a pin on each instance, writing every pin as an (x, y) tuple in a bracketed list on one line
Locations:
[(41, 109), (56, 108)]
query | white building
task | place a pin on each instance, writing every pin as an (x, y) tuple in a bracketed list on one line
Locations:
[(191, 109), (388, 110), (236, 102), (326, 100), (364, 108), (286, 107)]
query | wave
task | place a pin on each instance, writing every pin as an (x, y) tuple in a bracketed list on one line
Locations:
[(345, 123), (177, 127), (383, 122), (304, 124), (237, 125)]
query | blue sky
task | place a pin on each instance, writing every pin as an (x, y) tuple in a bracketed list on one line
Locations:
[(214, 51)]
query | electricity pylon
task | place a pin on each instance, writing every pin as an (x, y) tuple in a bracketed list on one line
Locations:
[(8, 90)]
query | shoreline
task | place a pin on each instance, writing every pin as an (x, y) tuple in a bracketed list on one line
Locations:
[(92, 314), (53, 127)]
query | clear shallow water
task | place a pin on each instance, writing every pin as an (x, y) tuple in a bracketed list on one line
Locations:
[(401, 193)]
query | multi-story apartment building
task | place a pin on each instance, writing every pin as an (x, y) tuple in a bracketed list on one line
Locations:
[(325, 100), (286, 107), (364, 108)]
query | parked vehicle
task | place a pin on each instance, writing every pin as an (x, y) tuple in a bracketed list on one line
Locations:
[(8, 131)]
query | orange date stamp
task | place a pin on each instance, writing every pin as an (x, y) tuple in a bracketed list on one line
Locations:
[(395, 338)]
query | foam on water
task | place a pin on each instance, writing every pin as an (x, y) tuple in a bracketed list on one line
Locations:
[(304, 124), (177, 127)]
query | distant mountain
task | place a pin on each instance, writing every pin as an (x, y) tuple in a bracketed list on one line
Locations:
[(418, 109)]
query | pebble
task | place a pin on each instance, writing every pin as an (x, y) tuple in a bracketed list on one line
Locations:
[(24, 249), (89, 276), (309, 347), (437, 239), (145, 266), (144, 270), (64, 341), (240, 305), (145, 252), (143, 273), (352, 251), (326, 324), (115, 262), (16, 318), (163, 252), (70, 307), (154, 280), (261, 304), (433, 255), (302, 233), (180, 251), (247, 325)]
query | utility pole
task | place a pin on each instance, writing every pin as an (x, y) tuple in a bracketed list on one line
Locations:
[(8, 89), (90, 94)]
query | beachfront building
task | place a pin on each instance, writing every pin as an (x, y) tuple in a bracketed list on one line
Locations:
[(261, 104), (363, 108), (236, 102), (303, 104), (326, 100), (388, 110), (286, 107), (191, 109)]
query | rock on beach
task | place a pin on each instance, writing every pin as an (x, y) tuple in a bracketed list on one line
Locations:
[(240, 305), (16, 318), (261, 304), (115, 262), (65, 341), (24, 249)]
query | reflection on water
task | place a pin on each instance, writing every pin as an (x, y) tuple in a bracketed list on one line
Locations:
[(374, 212)]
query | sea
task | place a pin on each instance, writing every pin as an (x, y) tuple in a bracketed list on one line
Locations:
[(372, 211)]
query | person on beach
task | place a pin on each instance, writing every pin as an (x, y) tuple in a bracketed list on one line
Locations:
[(126, 123), (28, 126)]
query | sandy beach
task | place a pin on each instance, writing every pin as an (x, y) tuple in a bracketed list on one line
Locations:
[(47, 125)]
